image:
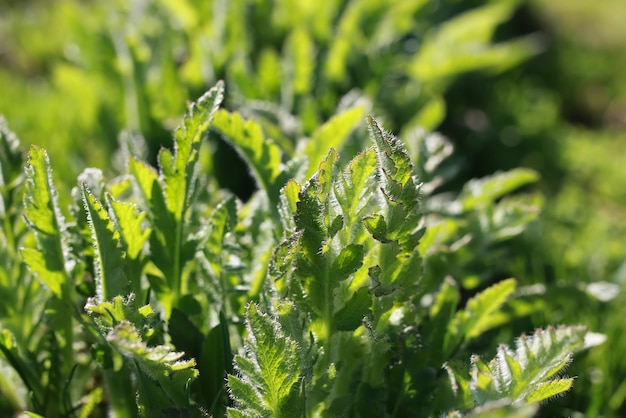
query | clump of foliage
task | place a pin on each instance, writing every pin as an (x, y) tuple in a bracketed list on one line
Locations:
[(337, 289), (132, 64)]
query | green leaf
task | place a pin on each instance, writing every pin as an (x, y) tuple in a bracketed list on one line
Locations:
[(525, 375), (134, 231), (431, 115), (11, 166), (129, 221), (109, 260), (400, 192), (161, 373), (318, 218), (267, 374), (145, 177), (169, 198), (37, 262), (262, 155), (288, 205), (22, 365), (397, 21), (463, 44), (549, 389), (376, 226), (300, 61), (108, 314), (458, 374), (351, 316), (354, 187), (331, 134), (33, 415), (178, 171), (482, 192), (349, 260), (476, 318), (284, 256), (441, 313), (51, 260), (214, 363), (503, 409), (221, 222)]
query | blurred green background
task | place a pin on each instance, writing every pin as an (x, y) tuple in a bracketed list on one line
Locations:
[(75, 74)]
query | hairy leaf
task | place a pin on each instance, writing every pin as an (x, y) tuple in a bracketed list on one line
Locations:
[(161, 374), (262, 155), (158, 368), (129, 220), (51, 260), (268, 372), (525, 374), (11, 166), (400, 192), (178, 171), (476, 318), (109, 261)]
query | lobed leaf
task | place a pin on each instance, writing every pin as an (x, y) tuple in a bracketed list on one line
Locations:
[(525, 374), (109, 259), (159, 365), (400, 192), (354, 189), (268, 371), (161, 375), (476, 318), (51, 260), (178, 170), (129, 221), (262, 155)]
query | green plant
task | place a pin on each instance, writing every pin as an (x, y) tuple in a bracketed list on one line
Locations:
[(344, 292), (130, 65)]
